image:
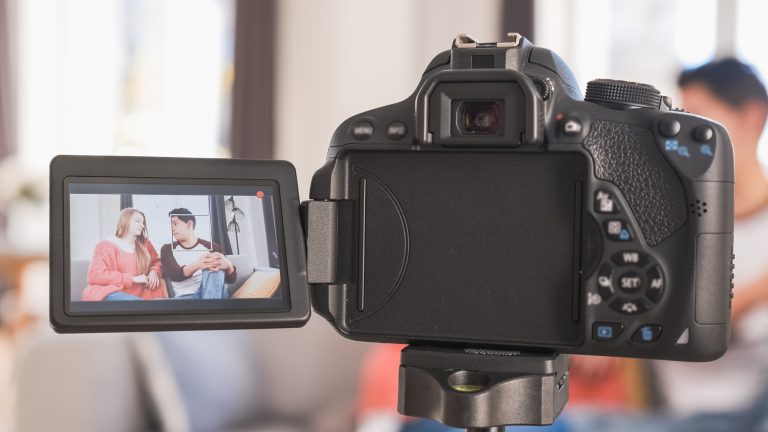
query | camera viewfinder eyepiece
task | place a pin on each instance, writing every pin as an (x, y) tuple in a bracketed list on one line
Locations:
[(480, 117)]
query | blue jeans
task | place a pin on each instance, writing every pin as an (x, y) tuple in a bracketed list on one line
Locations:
[(212, 286), (118, 295)]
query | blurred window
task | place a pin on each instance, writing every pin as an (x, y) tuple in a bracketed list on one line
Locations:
[(751, 34), (695, 31), (653, 40), (129, 77), (649, 41), (751, 30)]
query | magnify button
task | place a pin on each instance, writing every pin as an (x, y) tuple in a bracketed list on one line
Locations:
[(683, 151), (706, 150)]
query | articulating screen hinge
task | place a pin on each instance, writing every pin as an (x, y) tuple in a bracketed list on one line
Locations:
[(330, 241)]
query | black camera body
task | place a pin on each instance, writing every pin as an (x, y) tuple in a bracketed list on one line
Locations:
[(494, 207)]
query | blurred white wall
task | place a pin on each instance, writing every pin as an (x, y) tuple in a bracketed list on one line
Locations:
[(337, 58), (93, 218), (611, 39)]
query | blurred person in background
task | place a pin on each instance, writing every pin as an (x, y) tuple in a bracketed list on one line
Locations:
[(125, 266)]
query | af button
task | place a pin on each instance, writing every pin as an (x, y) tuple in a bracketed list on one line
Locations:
[(655, 284)]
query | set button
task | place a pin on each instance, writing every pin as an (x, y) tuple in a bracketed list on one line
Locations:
[(630, 282)]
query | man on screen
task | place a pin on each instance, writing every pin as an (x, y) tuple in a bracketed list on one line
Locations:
[(197, 268)]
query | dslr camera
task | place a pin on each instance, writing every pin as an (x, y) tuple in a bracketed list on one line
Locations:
[(495, 207)]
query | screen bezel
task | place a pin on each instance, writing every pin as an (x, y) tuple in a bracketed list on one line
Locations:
[(280, 175)]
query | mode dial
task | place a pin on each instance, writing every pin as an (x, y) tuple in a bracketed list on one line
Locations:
[(622, 94)]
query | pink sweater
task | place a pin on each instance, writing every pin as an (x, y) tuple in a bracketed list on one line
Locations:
[(112, 269)]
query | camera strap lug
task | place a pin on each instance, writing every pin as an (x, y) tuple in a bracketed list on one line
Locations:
[(330, 245)]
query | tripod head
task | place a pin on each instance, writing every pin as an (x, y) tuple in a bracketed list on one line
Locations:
[(482, 390)]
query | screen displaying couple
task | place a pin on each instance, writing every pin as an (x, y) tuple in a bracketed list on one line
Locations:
[(140, 246)]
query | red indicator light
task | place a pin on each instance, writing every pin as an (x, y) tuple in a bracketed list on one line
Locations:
[(260, 194)]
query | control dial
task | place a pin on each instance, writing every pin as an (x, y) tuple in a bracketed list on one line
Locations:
[(618, 94)]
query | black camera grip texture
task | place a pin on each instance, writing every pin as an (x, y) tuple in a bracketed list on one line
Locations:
[(627, 156)]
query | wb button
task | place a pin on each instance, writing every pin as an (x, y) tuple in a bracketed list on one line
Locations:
[(604, 332)]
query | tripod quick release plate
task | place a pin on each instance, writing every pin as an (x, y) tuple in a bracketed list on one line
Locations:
[(475, 388)]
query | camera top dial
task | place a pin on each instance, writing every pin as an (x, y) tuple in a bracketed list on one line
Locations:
[(619, 94)]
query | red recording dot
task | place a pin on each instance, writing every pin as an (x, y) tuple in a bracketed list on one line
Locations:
[(260, 194), (559, 116)]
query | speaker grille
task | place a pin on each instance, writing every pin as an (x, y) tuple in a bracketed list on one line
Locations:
[(698, 208)]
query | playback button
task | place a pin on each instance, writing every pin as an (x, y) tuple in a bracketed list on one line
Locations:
[(606, 331)]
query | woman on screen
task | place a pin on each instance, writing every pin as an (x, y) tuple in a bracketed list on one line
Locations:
[(125, 266)]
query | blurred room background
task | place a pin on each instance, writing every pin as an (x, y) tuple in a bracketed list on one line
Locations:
[(252, 79)]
